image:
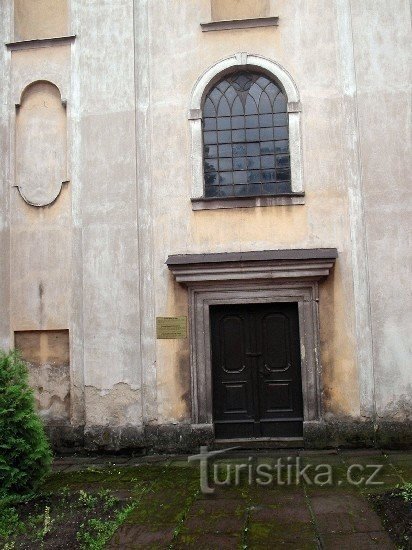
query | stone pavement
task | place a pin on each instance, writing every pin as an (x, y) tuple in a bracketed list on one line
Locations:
[(170, 510)]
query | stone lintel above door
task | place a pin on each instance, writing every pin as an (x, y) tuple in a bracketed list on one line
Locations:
[(311, 263)]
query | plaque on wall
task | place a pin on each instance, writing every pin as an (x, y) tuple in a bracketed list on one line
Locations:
[(168, 328)]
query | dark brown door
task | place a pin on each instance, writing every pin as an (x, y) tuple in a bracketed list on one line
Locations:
[(257, 386)]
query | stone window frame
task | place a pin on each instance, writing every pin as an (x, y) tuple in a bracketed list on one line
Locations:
[(274, 70), (251, 278)]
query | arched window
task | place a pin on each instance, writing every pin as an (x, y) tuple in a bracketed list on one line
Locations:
[(245, 137)]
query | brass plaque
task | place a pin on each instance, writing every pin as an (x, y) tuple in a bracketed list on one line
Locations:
[(171, 327)]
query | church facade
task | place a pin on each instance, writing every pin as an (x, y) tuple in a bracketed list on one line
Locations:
[(205, 220)]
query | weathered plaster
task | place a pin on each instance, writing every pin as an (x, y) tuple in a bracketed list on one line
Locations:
[(93, 261), (239, 9), (40, 19)]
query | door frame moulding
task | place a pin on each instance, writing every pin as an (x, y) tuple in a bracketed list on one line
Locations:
[(253, 278)]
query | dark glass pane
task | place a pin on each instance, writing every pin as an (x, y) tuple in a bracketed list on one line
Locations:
[(225, 164), (239, 163), (281, 132), (237, 108), (253, 163), (252, 135), (282, 161), (268, 175), (267, 147), (210, 178), (280, 104), (239, 177), (209, 124), (223, 108), (262, 81), (251, 106), (209, 137), (267, 161), (224, 136), (242, 81), (210, 190), (253, 99), (266, 134), (284, 187), (226, 191), (215, 96), (283, 174), (280, 119), (223, 86), (272, 90), (211, 165), (238, 135), (225, 150), (239, 150), (210, 150), (266, 121), (242, 190), (209, 109), (231, 95), (253, 176), (226, 178), (238, 122), (269, 188), (254, 189), (264, 104), (282, 146), (252, 149), (223, 123), (252, 121)]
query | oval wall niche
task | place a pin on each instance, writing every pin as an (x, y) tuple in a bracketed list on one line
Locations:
[(41, 144)]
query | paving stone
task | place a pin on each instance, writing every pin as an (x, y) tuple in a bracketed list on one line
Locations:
[(140, 536), (358, 541), (277, 496), (207, 541), (275, 534), (282, 513), (334, 522), (223, 493), (316, 452), (344, 513), (360, 452), (331, 502), (214, 524)]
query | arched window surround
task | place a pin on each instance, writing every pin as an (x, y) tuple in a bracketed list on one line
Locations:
[(274, 71)]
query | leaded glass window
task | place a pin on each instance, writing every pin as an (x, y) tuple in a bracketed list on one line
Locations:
[(245, 137)]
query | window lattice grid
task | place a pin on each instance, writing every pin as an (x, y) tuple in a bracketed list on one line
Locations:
[(245, 137)]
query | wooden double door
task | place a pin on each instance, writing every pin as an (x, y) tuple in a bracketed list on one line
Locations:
[(257, 385)]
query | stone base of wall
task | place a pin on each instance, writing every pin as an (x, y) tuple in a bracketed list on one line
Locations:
[(354, 434), (183, 438)]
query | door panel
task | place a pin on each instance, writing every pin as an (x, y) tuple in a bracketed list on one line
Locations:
[(257, 389), (232, 384)]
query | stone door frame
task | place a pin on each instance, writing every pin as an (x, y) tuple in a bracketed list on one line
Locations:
[(253, 278)]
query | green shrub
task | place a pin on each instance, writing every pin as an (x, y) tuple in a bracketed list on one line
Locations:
[(25, 454), (405, 491)]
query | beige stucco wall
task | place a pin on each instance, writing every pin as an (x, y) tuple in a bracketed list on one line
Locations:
[(98, 251), (178, 230), (383, 72), (40, 19), (239, 9)]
